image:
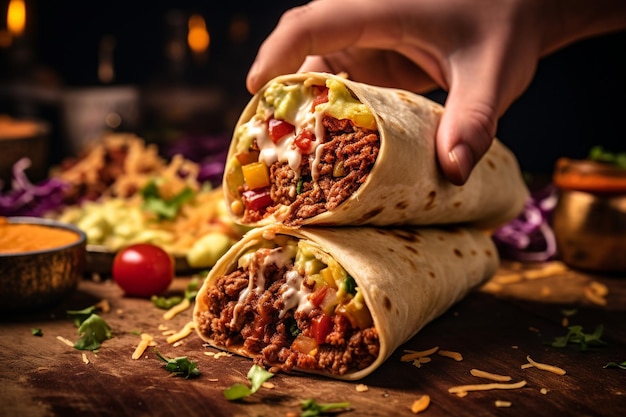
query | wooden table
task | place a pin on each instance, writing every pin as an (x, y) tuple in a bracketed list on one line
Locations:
[(514, 316)]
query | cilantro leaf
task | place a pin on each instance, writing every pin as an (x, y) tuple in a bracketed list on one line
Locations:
[(80, 316), (180, 366), (256, 375), (621, 365), (311, 408), (575, 335), (168, 302), (164, 208), (36, 332), (92, 331)]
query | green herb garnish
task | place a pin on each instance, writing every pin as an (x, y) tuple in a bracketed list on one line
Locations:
[(168, 302), (621, 365), (257, 376), (292, 326), (349, 285), (180, 366), (598, 154), (93, 331), (311, 408), (164, 208), (80, 316), (36, 332), (575, 335)]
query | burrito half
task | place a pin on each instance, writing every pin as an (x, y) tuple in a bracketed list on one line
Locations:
[(319, 149), (336, 301)]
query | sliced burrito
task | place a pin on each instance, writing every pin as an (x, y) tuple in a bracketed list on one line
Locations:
[(319, 149), (336, 301)]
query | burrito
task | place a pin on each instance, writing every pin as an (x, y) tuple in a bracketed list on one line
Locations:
[(336, 301), (319, 149)]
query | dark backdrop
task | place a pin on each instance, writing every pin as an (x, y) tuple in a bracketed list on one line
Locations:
[(576, 100)]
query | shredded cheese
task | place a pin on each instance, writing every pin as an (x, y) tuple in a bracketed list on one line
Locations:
[(489, 375), (452, 355), (66, 341), (361, 388), (544, 391), (85, 358), (411, 355), (145, 341), (485, 387), (595, 294), (184, 332), (421, 404), (545, 367), (501, 403), (178, 308), (104, 305)]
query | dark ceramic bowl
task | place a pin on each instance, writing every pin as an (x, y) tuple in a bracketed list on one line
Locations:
[(41, 278)]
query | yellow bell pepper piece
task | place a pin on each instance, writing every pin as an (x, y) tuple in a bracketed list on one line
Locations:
[(255, 175)]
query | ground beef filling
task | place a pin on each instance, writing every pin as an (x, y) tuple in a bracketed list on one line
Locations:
[(347, 157), (260, 331)]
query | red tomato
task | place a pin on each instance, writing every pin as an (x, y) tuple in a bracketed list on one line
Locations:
[(304, 139), (322, 97), (278, 129), (321, 327), (319, 294), (143, 270)]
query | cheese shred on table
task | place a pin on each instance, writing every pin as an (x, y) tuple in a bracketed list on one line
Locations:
[(489, 375), (450, 354), (485, 387), (146, 340), (421, 404), (411, 355), (543, 366), (184, 332), (178, 308)]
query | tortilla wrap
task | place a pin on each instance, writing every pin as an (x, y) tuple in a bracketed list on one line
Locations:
[(406, 277), (405, 184)]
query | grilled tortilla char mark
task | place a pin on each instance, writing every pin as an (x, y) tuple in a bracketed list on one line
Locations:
[(238, 316), (348, 156)]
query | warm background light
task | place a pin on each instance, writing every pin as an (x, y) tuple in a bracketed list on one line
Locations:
[(198, 37), (16, 17)]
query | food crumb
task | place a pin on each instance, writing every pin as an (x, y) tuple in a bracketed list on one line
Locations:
[(420, 404), (501, 403), (361, 388), (544, 391)]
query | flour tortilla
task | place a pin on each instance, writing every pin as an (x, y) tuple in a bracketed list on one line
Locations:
[(406, 185), (408, 276)]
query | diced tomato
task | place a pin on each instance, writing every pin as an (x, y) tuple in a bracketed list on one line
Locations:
[(246, 158), (303, 140), (257, 200), (278, 129), (319, 294), (322, 97), (321, 327)]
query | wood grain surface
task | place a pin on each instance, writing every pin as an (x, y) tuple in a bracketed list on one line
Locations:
[(517, 314)]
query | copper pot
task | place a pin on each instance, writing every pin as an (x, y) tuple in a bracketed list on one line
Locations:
[(590, 217)]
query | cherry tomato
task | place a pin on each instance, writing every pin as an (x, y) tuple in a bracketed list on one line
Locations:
[(143, 270)]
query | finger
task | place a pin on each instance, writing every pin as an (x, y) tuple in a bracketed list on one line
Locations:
[(329, 26), (468, 124)]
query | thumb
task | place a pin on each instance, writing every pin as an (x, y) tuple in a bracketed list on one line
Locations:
[(467, 128)]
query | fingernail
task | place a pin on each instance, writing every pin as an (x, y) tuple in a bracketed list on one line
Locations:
[(463, 158)]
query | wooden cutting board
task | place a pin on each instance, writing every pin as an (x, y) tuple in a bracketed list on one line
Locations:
[(517, 314)]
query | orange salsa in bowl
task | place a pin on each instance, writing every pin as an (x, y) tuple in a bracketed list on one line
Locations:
[(23, 237)]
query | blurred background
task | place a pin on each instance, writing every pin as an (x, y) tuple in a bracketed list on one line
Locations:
[(174, 70)]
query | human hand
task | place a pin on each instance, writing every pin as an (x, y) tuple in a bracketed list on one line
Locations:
[(483, 52)]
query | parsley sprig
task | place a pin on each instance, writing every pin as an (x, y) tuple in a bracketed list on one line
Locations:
[(311, 408), (180, 366), (576, 336), (256, 375), (92, 329)]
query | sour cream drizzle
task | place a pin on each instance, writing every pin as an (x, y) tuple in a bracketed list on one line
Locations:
[(286, 150), (293, 293)]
